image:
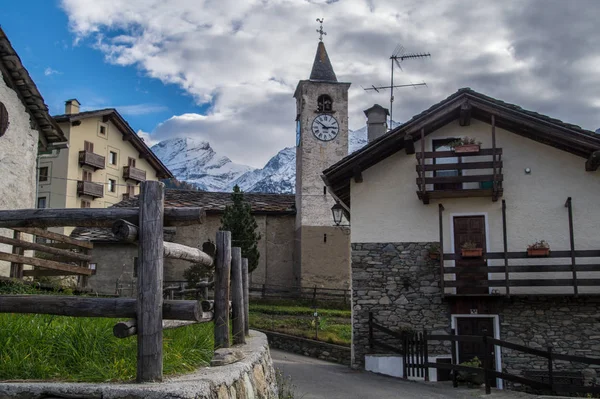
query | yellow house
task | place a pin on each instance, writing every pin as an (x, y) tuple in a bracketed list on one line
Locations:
[(103, 164)]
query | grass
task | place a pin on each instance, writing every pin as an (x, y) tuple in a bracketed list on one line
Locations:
[(84, 349), (333, 325)]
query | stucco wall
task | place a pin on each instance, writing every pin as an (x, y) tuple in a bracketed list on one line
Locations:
[(18, 151), (385, 207), (114, 269)]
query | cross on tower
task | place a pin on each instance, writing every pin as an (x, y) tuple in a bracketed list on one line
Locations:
[(320, 31)]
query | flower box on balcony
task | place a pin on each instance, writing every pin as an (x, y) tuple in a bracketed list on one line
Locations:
[(538, 251), (472, 253), (467, 148)]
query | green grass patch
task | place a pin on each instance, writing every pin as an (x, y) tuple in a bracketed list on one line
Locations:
[(307, 303), (297, 310), (84, 349)]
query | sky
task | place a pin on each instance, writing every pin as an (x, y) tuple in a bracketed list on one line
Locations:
[(225, 71)]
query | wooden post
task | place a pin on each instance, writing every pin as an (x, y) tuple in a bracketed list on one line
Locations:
[(442, 275), (569, 205), (486, 364), (222, 273), (454, 359), (494, 183), (149, 284), (246, 296), (237, 296), (550, 369), (423, 187), (425, 355), (16, 269), (264, 291), (405, 355), (314, 296), (505, 239), (371, 330)]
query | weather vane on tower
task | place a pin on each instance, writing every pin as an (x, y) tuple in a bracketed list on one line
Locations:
[(320, 31)]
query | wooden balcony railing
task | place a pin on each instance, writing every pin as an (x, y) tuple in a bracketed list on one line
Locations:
[(90, 159), (474, 179), (138, 175), (95, 190), (542, 274)]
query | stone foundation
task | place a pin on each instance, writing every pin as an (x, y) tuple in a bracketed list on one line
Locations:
[(250, 378), (401, 286)]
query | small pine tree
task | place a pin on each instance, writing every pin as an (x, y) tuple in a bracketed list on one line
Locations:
[(239, 221)]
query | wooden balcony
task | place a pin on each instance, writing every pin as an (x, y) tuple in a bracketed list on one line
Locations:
[(90, 159), (479, 178), (95, 190), (523, 275), (135, 174)]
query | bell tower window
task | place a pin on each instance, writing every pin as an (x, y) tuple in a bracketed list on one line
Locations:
[(324, 103)]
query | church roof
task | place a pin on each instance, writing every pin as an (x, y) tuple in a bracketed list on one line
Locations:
[(322, 69)]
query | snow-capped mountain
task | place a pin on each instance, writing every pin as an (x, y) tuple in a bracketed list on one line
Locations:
[(195, 162)]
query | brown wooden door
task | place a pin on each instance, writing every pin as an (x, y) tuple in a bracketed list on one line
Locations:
[(469, 228), (475, 326)]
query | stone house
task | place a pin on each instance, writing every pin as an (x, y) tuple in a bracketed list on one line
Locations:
[(274, 214), (412, 191), (25, 128)]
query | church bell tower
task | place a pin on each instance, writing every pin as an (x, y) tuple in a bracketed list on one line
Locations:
[(322, 249)]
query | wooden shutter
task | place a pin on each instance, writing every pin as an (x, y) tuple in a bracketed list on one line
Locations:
[(88, 146), (131, 162)]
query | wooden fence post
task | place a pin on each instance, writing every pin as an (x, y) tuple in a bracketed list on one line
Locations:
[(550, 369), (150, 278), (246, 296), (454, 359), (371, 330), (222, 273), (264, 290), (486, 364), (425, 355), (237, 296), (16, 269)]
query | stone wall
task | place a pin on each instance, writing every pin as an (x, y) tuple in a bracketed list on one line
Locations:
[(401, 286), (253, 377), (570, 325), (308, 347)]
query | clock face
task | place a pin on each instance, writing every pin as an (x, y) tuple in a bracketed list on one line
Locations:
[(325, 127)]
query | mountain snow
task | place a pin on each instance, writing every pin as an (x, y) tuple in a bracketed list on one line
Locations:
[(195, 162)]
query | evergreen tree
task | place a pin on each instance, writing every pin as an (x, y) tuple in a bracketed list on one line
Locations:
[(239, 221)]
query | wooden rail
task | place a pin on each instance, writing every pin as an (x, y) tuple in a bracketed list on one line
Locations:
[(416, 363)]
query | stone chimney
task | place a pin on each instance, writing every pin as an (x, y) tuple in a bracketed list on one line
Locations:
[(72, 106), (376, 121)]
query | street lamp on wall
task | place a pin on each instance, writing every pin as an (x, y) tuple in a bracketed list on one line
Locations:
[(337, 212)]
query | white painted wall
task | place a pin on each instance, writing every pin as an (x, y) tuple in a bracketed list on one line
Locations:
[(18, 151), (385, 207)]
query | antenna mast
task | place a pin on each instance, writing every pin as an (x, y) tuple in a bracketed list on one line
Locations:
[(396, 58)]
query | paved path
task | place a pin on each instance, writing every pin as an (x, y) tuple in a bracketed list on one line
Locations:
[(315, 378)]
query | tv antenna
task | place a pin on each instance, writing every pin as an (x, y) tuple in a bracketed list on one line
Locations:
[(396, 58)]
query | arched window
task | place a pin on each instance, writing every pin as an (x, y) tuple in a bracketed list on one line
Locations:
[(324, 103)]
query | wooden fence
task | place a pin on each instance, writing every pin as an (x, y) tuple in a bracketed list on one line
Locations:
[(415, 360), (149, 314), (313, 294)]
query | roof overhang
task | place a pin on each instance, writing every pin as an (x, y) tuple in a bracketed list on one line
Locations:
[(537, 127)]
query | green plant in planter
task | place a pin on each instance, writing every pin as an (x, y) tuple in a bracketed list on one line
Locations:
[(471, 377), (464, 141), (434, 251)]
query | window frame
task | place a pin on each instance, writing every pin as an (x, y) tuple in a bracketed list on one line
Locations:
[(112, 185), (45, 199), (110, 157), (44, 177)]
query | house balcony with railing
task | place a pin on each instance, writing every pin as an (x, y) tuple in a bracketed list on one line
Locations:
[(95, 190), (454, 174), (87, 158), (531, 271), (135, 174)]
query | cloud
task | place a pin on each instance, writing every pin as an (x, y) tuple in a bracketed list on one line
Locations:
[(147, 137), (49, 72), (244, 59), (140, 109)]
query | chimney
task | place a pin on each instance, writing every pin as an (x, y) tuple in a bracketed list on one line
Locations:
[(72, 106), (376, 121)]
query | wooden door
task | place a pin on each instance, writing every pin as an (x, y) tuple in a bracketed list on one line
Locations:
[(469, 228), (475, 326)]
